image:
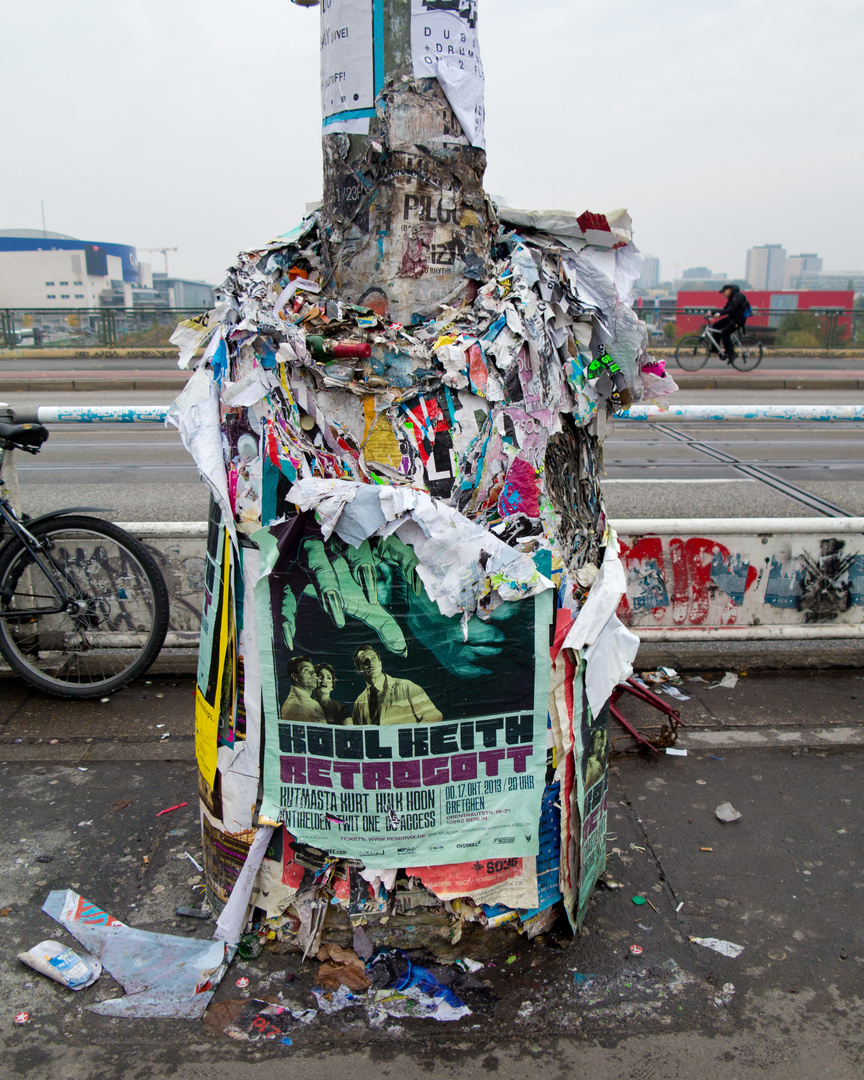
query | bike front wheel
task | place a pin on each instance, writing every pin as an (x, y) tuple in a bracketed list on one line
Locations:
[(749, 353), (91, 617), (691, 353)]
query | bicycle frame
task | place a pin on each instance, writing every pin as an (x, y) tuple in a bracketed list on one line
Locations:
[(17, 527), (713, 338)]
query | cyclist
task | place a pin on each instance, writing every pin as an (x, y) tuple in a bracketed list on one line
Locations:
[(731, 318)]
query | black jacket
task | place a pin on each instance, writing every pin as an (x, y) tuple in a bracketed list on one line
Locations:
[(735, 305)]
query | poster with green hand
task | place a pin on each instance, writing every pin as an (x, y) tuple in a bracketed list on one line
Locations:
[(393, 734)]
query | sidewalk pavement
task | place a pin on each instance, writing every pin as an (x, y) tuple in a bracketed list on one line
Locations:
[(784, 882)]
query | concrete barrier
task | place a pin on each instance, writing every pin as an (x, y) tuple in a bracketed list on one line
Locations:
[(688, 579)]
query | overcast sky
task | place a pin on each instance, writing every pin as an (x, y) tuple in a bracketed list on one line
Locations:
[(196, 123)]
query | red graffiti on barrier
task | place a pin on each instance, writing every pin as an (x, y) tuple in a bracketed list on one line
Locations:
[(691, 563)]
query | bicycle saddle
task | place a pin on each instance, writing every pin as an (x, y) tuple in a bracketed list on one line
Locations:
[(24, 436)]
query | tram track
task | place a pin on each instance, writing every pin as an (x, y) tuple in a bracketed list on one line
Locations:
[(755, 472)]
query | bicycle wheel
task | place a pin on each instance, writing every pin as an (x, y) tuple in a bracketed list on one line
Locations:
[(749, 353), (111, 623), (691, 353)]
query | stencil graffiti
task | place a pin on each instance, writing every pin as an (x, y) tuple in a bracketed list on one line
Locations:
[(747, 580)]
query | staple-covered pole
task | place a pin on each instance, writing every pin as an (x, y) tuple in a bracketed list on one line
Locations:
[(406, 222)]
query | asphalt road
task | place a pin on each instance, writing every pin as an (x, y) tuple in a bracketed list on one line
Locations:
[(142, 473)]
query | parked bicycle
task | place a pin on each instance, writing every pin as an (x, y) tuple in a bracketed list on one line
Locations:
[(83, 605), (693, 351)]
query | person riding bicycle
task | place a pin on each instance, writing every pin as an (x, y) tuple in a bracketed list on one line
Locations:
[(733, 317)]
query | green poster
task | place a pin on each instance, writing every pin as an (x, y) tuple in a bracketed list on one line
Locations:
[(390, 736)]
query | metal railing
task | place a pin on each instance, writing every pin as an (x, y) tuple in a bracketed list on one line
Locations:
[(104, 327), (811, 328), (120, 327)]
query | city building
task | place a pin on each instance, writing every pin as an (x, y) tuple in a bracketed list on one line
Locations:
[(832, 279), (766, 267), (649, 278), (177, 292), (51, 270), (796, 265), (697, 273)]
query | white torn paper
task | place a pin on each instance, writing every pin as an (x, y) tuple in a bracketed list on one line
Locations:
[(674, 692), (609, 661), (729, 681), (196, 415), (603, 599), (229, 926), (163, 975), (726, 948), (444, 45), (459, 562)]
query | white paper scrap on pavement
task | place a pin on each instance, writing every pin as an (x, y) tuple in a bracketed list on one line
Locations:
[(163, 975), (726, 948)]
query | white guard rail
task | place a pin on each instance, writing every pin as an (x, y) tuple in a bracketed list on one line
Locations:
[(129, 414)]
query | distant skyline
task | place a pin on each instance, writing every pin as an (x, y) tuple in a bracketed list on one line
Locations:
[(197, 125)]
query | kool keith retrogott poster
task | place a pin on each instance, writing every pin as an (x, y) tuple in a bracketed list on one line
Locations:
[(393, 734)]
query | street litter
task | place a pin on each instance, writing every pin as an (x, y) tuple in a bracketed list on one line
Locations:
[(197, 865), (726, 948), (61, 964), (639, 900), (674, 692), (341, 967), (675, 752), (726, 812), (706, 848), (333, 1001), (242, 982), (401, 988), (193, 913), (261, 1020), (21, 1018), (168, 809), (729, 680), (163, 975), (725, 996), (636, 950)]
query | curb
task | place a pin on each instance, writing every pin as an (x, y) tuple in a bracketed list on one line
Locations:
[(22, 381), (834, 738), (831, 380)]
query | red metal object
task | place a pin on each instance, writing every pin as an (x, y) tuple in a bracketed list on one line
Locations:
[(650, 698)]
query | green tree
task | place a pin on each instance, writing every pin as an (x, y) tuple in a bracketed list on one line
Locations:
[(798, 330)]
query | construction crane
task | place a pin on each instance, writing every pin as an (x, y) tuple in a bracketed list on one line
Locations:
[(164, 252)]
